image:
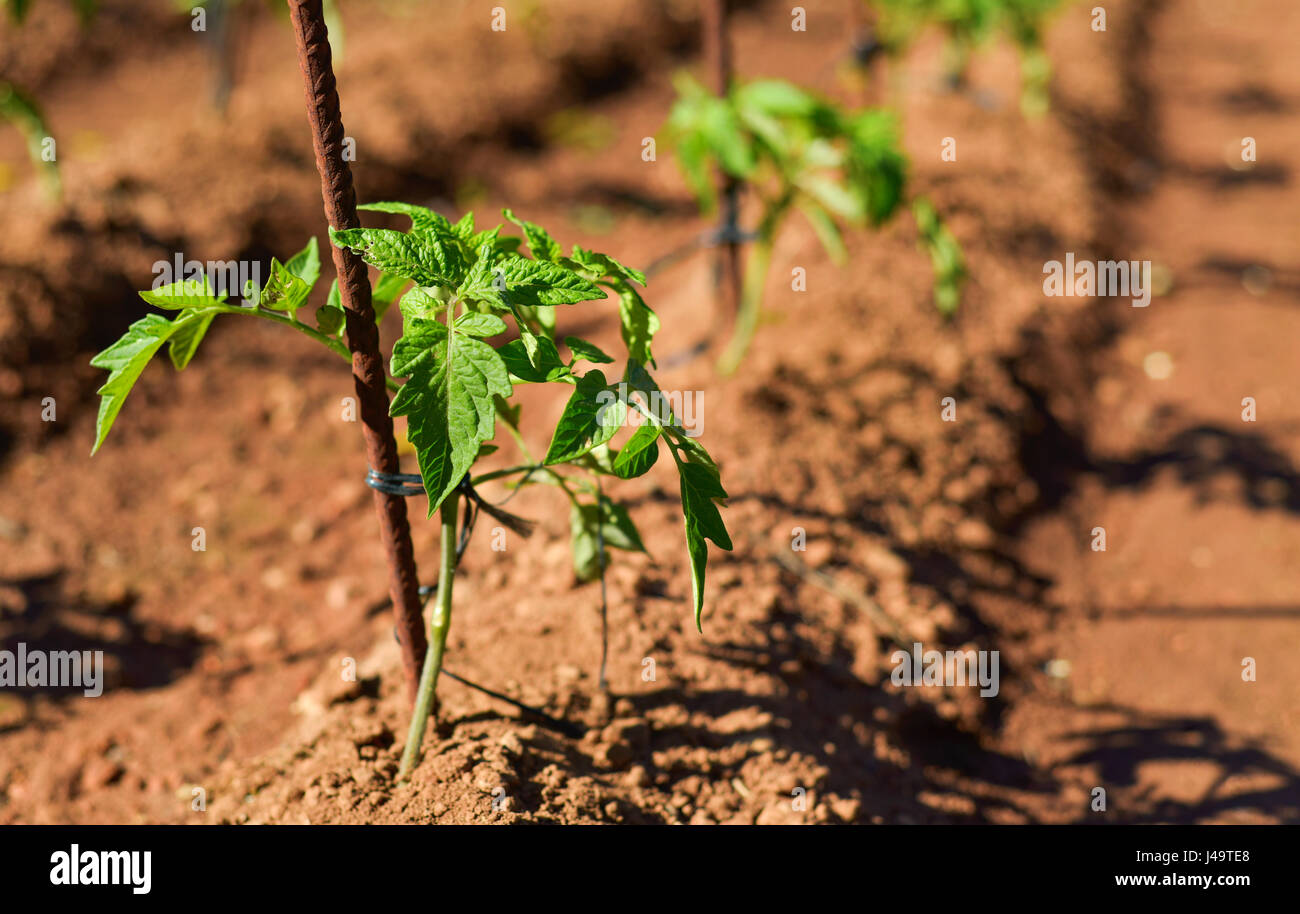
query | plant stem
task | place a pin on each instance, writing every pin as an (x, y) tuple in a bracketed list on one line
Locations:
[(333, 344), (501, 474), (604, 597), (369, 378), (751, 304), (439, 622)]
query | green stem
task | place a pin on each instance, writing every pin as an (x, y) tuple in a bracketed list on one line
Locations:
[(334, 344), (331, 342), (499, 474), (751, 304), (439, 623), (528, 455)]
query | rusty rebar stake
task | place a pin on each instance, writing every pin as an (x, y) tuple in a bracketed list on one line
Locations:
[(327, 136), (717, 57)]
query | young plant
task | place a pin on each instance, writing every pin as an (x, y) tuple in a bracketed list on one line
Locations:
[(459, 287), (970, 24), (21, 111), (795, 151)]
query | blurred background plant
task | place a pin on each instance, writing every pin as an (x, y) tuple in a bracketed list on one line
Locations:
[(794, 151), (968, 26), (20, 111)]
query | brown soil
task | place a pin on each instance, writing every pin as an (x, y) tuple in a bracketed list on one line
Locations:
[(1120, 669)]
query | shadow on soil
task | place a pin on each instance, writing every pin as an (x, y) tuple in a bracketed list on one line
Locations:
[(137, 654), (1117, 753)]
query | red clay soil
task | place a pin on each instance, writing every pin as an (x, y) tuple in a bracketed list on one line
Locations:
[(1119, 669)]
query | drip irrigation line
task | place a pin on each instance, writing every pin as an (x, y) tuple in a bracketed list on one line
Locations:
[(885, 626), (725, 233), (687, 356)]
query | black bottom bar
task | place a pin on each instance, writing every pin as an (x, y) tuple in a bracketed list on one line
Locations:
[(381, 864)]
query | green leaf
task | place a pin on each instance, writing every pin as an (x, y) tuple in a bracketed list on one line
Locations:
[(725, 135), (640, 453), (653, 407), (599, 460), (481, 325), (827, 231), (188, 293), (617, 528), (544, 365), (424, 259), (695, 451), (422, 218), (582, 349), (421, 302), (124, 361), (701, 127), (306, 263), (25, 115), (448, 399), (540, 244), (945, 256), (284, 290), (638, 324), (776, 98), (602, 265), (188, 331), (876, 166), (545, 318), (693, 158), (517, 280), (329, 316), (593, 415), (541, 351), (835, 196), (481, 282), (700, 485), (488, 238), (588, 523), (464, 227), (385, 292)]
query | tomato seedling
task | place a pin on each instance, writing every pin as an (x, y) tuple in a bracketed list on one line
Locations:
[(795, 151), (456, 287)]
